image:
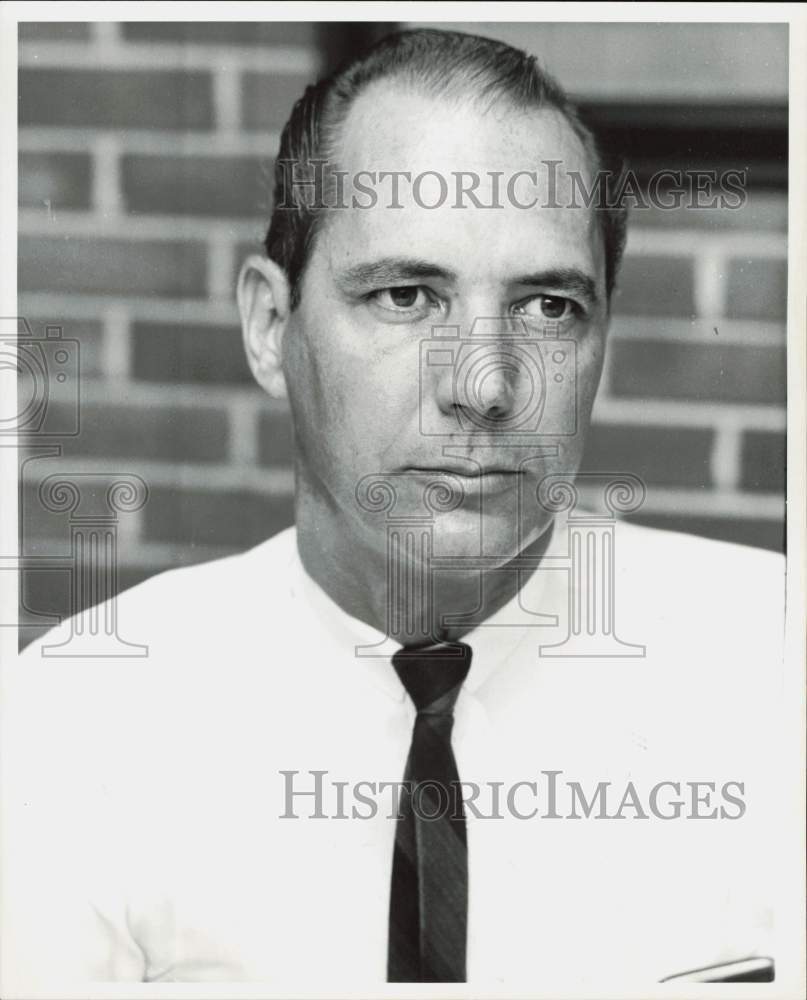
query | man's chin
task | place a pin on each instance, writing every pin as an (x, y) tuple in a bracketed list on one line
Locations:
[(498, 539), (487, 539)]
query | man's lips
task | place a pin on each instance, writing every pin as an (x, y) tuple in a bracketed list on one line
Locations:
[(462, 471)]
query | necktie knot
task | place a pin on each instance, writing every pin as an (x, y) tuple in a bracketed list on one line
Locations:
[(433, 675)]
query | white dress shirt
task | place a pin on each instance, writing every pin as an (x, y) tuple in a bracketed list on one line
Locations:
[(144, 832)]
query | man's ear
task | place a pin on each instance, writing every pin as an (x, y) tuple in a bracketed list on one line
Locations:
[(264, 304)]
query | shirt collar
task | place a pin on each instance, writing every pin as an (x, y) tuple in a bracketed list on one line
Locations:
[(493, 641)]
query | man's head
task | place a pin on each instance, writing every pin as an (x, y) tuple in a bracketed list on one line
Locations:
[(446, 64), (341, 313)]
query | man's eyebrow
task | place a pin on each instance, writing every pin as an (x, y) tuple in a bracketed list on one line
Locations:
[(563, 279), (391, 270)]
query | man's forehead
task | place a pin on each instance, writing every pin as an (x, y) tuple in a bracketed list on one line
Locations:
[(518, 161), (445, 148), (474, 246), (394, 126)]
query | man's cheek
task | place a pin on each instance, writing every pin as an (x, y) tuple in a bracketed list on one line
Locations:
[(590, 357)]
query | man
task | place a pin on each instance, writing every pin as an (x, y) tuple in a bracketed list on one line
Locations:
[(450, 728)]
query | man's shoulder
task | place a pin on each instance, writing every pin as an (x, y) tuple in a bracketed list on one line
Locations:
[(122, 675), (700, 562), (724, 599), (219, 581), (208, 604)]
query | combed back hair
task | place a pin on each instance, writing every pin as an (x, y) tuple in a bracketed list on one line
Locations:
[(446, 64)]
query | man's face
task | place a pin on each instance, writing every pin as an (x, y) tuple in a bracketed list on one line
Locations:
[(368, 395)]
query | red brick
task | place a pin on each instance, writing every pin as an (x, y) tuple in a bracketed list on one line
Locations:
[(267, 99), (654, 286), (57, 180), (168, 352), (42, 592), (275, 440), (45, 592), (757, 289), (663, 456), (198, 185), (251, 33), (88, 332), (48, 382), (178, 434), (112, 267), (45, 533), (763, 462), (198, 517), (115, 98), (717, 372), (42, 532), (763, 534), (54, 31)]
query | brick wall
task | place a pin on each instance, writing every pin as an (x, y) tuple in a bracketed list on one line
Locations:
[(144, 163), (693, 397)]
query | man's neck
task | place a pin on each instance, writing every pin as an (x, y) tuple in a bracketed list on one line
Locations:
[(430, 608)]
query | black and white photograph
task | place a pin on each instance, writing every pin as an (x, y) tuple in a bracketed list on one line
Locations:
[(402, 456)]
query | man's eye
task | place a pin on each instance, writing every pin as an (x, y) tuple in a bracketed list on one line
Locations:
[(406, 297), (547, 307)]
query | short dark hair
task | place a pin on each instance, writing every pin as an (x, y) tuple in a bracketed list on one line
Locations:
[(443, 63)]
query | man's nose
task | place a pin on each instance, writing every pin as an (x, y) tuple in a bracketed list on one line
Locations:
[(487, 377), (486, 381)]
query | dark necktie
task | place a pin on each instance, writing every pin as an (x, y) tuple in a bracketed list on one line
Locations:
[(429, 894)]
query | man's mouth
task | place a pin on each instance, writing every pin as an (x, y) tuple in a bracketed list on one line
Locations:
[(464, 471)]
